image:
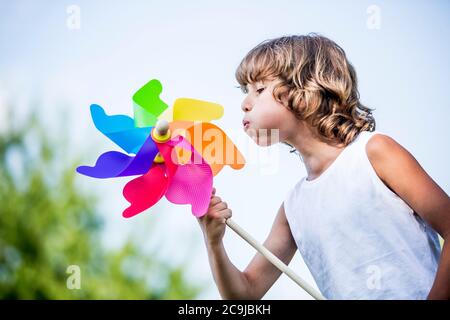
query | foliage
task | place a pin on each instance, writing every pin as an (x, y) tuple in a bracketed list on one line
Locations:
[(48, 224)]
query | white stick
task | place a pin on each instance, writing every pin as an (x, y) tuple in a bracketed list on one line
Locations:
[(274, 260)]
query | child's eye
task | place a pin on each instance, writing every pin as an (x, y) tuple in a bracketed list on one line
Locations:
[(260, 90), (243, 89)]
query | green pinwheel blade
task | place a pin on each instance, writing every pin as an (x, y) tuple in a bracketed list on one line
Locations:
[(147, 104)]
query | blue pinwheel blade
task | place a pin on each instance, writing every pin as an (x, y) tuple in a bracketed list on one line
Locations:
[(120, 129)]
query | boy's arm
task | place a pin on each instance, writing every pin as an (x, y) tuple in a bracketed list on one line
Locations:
[(401, 172), (260, 274), (281, 243)]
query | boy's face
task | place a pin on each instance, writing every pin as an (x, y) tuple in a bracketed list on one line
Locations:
[(266, 120)]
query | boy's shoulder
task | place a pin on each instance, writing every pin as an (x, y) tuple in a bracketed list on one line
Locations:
[(388, 157), (383, 151), (379, 144)]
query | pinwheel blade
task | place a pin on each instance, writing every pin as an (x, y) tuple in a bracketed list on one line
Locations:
[(196, 110), (115, 164), (147, 104), (120, 129), (144, 191), (211, 142), (192, 182)]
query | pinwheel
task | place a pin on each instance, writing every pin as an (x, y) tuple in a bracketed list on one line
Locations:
[(158, 152), (175, 152)]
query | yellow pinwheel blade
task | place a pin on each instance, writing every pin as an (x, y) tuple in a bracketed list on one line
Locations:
[(196, 110)]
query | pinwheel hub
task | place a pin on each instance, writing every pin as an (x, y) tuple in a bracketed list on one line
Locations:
[(161, 132)]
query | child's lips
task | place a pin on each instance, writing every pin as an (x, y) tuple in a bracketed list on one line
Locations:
[(245, 123)]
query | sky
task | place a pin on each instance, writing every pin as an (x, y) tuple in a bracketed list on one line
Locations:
[(400, 50)]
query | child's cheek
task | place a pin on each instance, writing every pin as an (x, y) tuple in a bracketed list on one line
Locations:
[(272, 118)]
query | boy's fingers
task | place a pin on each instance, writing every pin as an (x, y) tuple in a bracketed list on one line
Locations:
[(214, 200)]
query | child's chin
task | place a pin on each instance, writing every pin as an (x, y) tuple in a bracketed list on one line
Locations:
[(264, 141)]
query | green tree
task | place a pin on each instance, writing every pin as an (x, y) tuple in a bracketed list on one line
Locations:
[(47, 224)]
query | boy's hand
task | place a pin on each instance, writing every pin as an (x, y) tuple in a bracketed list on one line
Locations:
[(213, 222)]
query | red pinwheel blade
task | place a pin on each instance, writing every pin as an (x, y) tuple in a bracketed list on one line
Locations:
[(144, 191)]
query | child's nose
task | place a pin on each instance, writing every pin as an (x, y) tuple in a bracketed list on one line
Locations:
[(245, 106)]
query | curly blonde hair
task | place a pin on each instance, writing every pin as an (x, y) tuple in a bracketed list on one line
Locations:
[(319, 82)]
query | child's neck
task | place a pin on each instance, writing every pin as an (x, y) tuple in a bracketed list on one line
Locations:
[(317, 155)]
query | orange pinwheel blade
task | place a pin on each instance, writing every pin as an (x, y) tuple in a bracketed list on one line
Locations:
[(211, 142)]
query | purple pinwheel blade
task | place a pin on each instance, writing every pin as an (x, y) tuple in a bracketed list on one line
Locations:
[(113, 164)]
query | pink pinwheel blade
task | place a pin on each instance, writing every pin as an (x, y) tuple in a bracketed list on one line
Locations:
[(144, 191), (192, 182)]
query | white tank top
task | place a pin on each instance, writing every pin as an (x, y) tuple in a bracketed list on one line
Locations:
[(357, 237)]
